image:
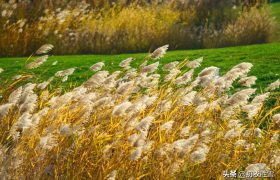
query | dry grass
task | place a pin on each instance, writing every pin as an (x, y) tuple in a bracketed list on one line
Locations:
[(257, 22), (80, 29), (135, 124)]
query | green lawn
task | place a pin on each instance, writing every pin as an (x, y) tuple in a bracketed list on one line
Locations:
[(266, 60)]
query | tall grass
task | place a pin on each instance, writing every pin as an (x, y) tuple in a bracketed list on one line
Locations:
[(257, 22), (135, 123), (130, 28)]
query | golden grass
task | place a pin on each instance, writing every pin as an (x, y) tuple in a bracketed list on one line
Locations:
[(133, 28), (132, 125)]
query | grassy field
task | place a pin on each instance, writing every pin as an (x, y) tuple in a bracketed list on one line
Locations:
[(265, 58), (133, 130)]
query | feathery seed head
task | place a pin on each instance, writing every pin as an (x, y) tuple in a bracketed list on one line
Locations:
[(112, 175), (44, 49), (276, 118), (273, 86), (136, 154), (65, 130), (247, 81), (258, 167), (5, 108), (170, 66), (167, 126), (121, 108), (66, 72), (145, 124), (160, 52), (199, 155), (195, 63), (126, 63), (260, 98), (38, 62), (54, 63), (150, 68), (96, 67)]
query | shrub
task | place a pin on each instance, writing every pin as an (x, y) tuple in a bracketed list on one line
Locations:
[(117, 28), (255, 26)]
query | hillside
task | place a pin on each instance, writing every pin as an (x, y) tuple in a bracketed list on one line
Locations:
[(264, 57)]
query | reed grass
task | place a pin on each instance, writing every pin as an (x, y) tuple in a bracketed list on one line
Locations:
[(134, 124)]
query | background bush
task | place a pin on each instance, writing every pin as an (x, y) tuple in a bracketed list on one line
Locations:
[(128, 26), (251, 27)]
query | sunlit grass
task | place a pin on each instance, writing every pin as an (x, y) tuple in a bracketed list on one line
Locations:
[(264, 57), (137, 123)]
